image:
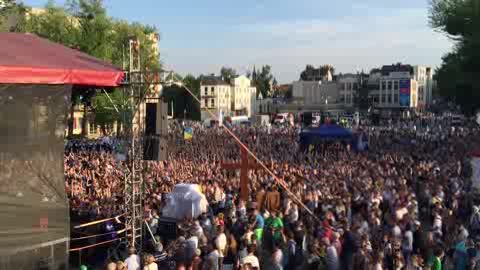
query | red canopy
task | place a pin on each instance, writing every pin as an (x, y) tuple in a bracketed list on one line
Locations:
[(28, 59)]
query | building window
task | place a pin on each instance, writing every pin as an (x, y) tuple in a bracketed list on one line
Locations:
[(206, 91), (212, 91), (389, 84), (92, 128), (395, 98), (109, 128), (382, 97), (395, 85), (389, 97), (206, 103), (384, 85), (212, 102)]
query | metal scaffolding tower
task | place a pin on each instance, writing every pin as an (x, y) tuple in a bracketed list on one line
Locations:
[(133, 193), (135, 89)]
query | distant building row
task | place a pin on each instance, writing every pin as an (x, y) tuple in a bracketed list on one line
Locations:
[(237, 97), (393, 86)]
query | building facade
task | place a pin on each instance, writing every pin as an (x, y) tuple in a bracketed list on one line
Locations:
[(398, 87), (398, 91), (315, 92), (348, 85), (394, 86), (424, 77), (244, 96), (232, 99), (264, 105)]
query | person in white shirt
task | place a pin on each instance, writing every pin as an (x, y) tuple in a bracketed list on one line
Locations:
[(133, 260), (150, 263), (277, 257), (191, 244), (332, 258), (213, 259), (251, 258), (407, 244), (221, 241)]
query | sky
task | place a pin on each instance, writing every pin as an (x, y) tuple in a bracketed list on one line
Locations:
[(199, 37)]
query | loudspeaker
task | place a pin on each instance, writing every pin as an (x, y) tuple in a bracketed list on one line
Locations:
[(150, 147), (162, 129), (150, 118), (156, 131), (167, 228), (162, 118)]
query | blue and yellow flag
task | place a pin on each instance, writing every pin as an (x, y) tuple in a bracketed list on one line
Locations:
[(187, 133)]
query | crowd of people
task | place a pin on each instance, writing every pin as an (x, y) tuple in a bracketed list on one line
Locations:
[(406, 203)]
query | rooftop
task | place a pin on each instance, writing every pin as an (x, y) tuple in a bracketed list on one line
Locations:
[(399, 67), (213, 80)]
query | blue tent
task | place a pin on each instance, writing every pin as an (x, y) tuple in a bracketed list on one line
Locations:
[(325, 132)]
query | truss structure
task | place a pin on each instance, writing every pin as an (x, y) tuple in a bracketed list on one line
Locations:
[(136, 87), (133, 185)]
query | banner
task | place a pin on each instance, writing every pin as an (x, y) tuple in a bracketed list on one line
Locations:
[(187, 133), (405, 93)]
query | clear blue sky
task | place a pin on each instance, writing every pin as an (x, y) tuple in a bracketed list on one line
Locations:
[(202, 36)]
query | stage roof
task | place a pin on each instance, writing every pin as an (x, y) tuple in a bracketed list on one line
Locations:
[(28, 59)]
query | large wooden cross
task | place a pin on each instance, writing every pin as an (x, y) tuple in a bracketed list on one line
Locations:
[(245, 165)]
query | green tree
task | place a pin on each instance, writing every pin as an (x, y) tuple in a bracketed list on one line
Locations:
[(85, 25), (94, 29), (193, 106), (459, 75), (318, 73), (228, 73), (262, 82), (54, 24), (184, 104), (12, 16)]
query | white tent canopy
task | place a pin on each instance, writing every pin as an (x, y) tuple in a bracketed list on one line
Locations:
[(185, 201)]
